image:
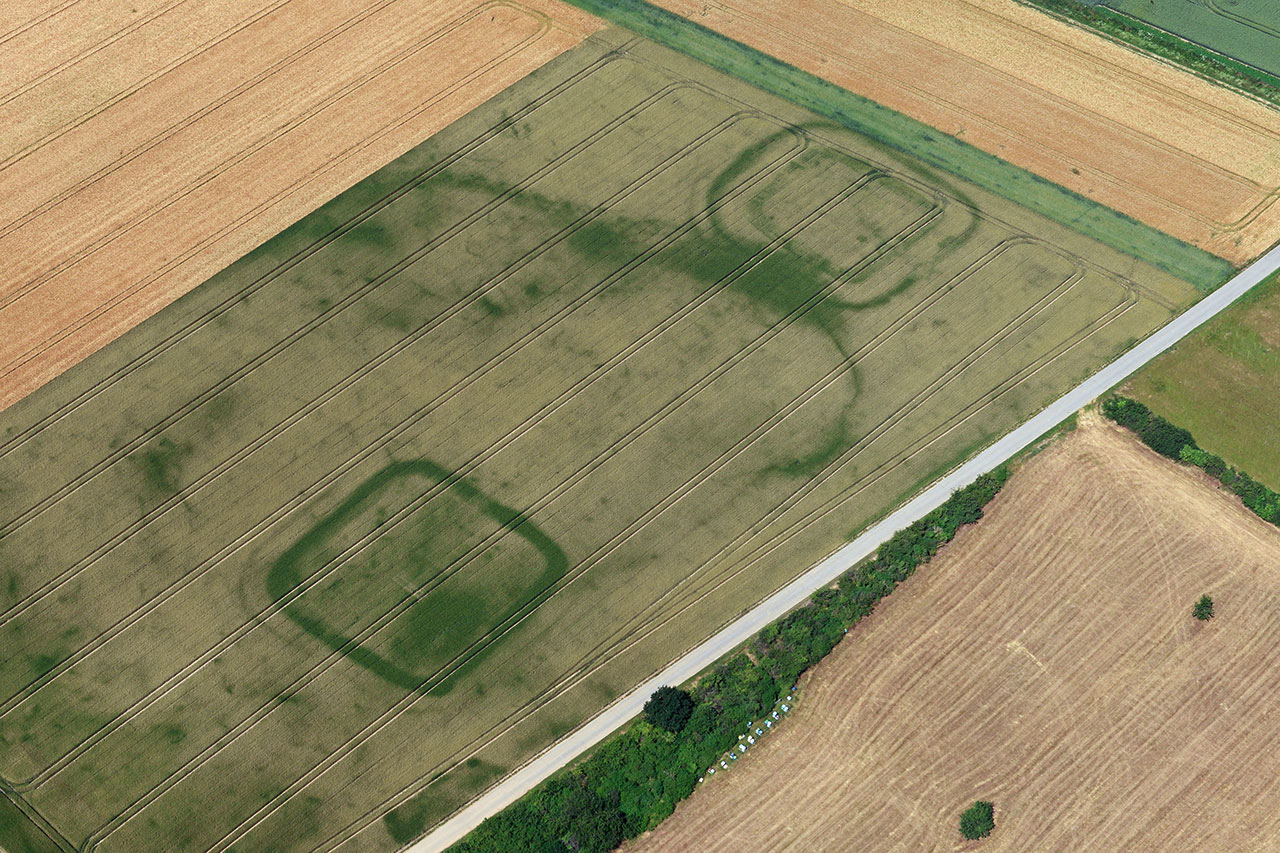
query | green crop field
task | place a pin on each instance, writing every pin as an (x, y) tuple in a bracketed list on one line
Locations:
[(1245, 30), (318, 552), (1221, 383)]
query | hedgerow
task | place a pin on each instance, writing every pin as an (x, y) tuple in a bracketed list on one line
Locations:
[(1177, 443), (634, 780)]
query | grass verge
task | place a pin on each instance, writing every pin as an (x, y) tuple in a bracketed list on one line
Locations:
[(903, 133)]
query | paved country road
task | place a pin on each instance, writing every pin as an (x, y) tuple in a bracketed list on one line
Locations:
[(579, 741)]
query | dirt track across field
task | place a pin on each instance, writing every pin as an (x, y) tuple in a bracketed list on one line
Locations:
[(1088, 114), (146, 145), (1046, 661)]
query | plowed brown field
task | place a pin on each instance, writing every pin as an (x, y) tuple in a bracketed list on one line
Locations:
[(1046, 661), (1183, 155), (145, 145)]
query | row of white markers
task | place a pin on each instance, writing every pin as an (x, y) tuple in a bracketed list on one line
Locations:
[(749, 737)]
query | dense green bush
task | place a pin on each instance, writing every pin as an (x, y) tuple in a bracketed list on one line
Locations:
[(1203, 609), (669, 708), (1162, 437), (978, 820), (634, 780)]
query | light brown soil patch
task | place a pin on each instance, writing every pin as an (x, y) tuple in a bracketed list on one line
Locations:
[(145, 146), (1046, 661), (1188, 157)]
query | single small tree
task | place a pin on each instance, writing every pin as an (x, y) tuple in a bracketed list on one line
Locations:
[(1203, 609), (669, 708), (978, 820)]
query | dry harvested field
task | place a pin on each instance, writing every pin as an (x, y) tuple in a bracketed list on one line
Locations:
[(145, 145), (424, 481), (1171, 150), (1046, 661)]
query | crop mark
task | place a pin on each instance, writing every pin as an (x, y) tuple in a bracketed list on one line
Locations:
[(528, 338), (283, 344), (653, 621)]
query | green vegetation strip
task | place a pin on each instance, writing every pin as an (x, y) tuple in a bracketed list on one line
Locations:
[(1177, 443), (633, 781), (19, 833), (903, 133), (1220, 383), (1197, 58)]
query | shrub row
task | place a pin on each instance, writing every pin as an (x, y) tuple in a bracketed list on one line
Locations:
[(634, 780), (1177, 443), (1187, 53)]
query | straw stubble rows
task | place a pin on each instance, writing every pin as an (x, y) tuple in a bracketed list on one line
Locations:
[(427, 479)]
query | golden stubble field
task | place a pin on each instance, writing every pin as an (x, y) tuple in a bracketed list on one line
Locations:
[(1167, 148), (1046, 661), (429, 478), (145, 145)]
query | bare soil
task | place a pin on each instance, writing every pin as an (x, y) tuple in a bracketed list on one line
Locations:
[(144, 146), (1046, 661), (1178, 153)]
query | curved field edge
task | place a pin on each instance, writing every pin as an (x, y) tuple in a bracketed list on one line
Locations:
[(902, 133), (161, 477), (1199, 59)]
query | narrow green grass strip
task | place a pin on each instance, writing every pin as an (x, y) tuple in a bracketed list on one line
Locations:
[(905, 134), (1195, 57)]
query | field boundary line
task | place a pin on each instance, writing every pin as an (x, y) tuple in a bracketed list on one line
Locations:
[(532, 604), (453, 310), (200, 322), (456, 308), (237, 159), (1265, 197), (815, 131), (497, 359), (7, 615), (578, 671), (740, 270), (1171, 63), (829, 569), (893, 418), (754, 553)]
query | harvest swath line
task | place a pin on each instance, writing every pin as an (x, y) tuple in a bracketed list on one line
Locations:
[(626, 635), (120, 96), (240, 157), (462, 472), (191, 118), (387, 617), (789, 190), (1267, 194), (107, 40)]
